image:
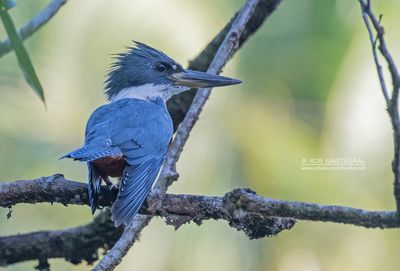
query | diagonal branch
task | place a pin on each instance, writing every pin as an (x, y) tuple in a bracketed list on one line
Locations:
[(178, 107), (223, 54), (168, 173), (392, 101), (34, 24)]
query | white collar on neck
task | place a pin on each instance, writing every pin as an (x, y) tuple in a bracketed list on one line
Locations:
[(148, 91)]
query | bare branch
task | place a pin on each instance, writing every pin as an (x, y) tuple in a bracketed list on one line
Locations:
[(179, 104), (168, 173), (74, 244), (33, 25), (392, 102), (51, 189), (57, 189), (244, 210), (178, 107), (366, 9), (373, 40), (176, 209), (241, 199)]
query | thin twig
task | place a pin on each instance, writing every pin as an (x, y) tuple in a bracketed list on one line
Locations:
[(168, 172), (392, 102), (374, 40), (376, 22), (34, 24)]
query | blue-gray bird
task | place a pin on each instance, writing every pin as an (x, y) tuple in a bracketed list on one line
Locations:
[(129, 137)]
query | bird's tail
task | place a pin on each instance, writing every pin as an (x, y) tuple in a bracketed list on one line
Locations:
[(90, 153), (93, 187), (135, 186)]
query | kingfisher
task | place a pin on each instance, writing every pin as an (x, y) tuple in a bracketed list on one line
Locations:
[(129, 137)]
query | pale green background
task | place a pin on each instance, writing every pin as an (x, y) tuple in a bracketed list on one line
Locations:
[(310, 90)]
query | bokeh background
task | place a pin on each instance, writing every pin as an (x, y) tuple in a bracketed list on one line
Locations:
[(310, 90)]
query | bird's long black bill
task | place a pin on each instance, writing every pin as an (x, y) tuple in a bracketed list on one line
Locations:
[(196, 79)]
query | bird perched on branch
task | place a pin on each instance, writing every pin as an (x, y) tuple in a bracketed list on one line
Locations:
[(129, 137)]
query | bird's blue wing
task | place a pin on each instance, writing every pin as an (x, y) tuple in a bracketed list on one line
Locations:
[(140, 131), (98, 142), (97, 145), (136, 129), (94, 151), (135, 186)]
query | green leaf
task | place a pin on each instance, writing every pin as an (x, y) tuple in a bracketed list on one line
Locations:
[(23, 58), (8, 4)]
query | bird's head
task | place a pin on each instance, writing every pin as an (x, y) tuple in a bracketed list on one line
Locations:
[(144, 72)]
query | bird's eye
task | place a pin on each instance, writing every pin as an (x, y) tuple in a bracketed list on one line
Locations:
[(160, 67)]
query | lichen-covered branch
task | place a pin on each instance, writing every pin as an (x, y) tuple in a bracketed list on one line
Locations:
[(242, 199), (34, 24), (57, 189), (176, 209), (243, 209), (74, 244)]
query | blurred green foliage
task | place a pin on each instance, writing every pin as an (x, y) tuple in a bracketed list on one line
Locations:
[(310, 90), (24, 61)]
